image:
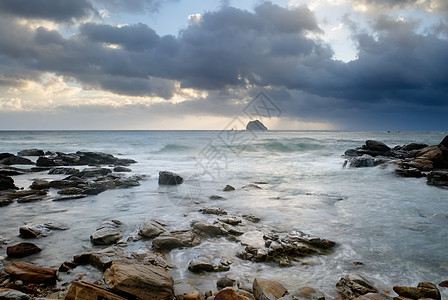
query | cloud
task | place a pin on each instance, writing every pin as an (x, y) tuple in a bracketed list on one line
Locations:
[(55, 10), (133, 6)]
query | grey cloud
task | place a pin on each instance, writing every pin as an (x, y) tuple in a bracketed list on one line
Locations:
[(55, 10), (133, 6)]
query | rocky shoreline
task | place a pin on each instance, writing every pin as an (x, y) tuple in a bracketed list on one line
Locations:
[(145, 273)]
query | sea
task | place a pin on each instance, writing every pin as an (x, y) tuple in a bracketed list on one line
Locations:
[(389, 229)]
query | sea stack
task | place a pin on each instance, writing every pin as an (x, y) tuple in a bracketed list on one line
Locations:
[(256, 125)]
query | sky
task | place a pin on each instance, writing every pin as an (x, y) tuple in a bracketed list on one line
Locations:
[(195, 64)]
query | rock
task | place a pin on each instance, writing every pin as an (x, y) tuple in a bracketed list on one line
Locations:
[(264, 289), (251, 218), (22, 250), (308, 293), (231, 220), (169, 178), (31, 273), (228, 188), (40, 184), (63, 171), (413, 146), (108, 233), (66, 266), (438, 178), (88, 291), (31, 152), (151, 229), (256, 126), (122, 169), (95, 158), (215, 197), (434, 154), (142, 281), (229, 293), (372, 296), (201, 263), (5, 200), (444, 283), (15, 160), (207, 229), (251, 186), (224, 282), (376, 146), (93, 172), (44, 161), (409, 172), (7, 183), (71, 191), (175, 239), (422, 164), (213, 211), (444, 142), (11, 171), (39, 230), (70, 197), (10, 294), (423, 290), (362, 161), (354, 285), (185, 291)]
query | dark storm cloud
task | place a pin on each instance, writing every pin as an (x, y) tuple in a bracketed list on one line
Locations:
[(55, 10)]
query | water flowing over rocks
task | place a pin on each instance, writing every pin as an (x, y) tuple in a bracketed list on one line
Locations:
[(175, 239), (30, 231), (411, 160)]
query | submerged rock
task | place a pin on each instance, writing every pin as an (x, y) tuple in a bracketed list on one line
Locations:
[(39, 230), (228, 188), (169, 178)]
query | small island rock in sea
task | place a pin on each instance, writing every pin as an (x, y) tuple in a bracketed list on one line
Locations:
[(256, 125)]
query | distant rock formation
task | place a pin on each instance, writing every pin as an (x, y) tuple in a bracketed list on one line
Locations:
[(256, 125)]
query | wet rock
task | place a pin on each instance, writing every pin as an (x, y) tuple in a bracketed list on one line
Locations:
[(31, 152), (175, 239), (72, 182), (151, 228), (362, 161), (101, 259), (204, 228), (264, 289), (213, 211), (10, 294), (206, 263), (413, 146), (354, 285), (169, 178), (70, 197), (432, 153), (184, 291), (71, 191), (228, 188), (215, 197), (108, 233), (251, 186), (5, 200), (372, 296), (438, 178), (40, 184), (307, 293), (44, 161), (229, 293), (444, 283), (93, 172), (231, 220), (39, 230), (28, 195), (22, 250), (376, 146), (66, 266), (63, 171), (409, 172), (89, 291), (11, 171), (422, 164), (423, 290), (7, 183), (31, 273), (142, 281), (122, 169), (251, 218), (224, 282), (15, 160), (95, 158)]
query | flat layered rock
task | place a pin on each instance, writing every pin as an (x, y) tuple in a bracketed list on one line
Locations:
[(264, 289), (175, 239), (90, 291), (151, 228), (354, 285), (31, 273), (40, 230), (22, 250), (423, 290)]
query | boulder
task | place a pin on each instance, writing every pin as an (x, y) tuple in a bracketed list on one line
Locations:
[(175, 239), (264, 289), (184, 291), (228, 188), (354, 285), (141, 281), (229, 293), (423, 290), (122, 169), (31, 273), (44, 161), (151, 228), (409, 172), (93, 172), (372, 296), (438, 178), (422, 164), (7, 183), (413, 146), (365, 160), (444, 283), (63, 171), (376, 146), (95, 158), (224, 282), (108, 233), (22, 250), (256, 126), (434, 154), (10, 294), (213, 211), (39, 230), (207, 229), (89, 291), (40, 184), (206, 263), (307, 293), (31, 152), (15, 160), (169, 178)]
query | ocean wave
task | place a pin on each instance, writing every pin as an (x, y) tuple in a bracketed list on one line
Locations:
[(174, 148), (303, 146)]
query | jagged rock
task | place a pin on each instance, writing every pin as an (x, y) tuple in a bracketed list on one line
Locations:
[(256, 126), (93, 172), (11, 294), (438, 178), (354, 285), (169, 178), (142, 281), (108, 233), (251, 218), (122, 169), (224, 282), (31, 152), (15, 160), (63, 171), (264, 289), (31, 273), (7, 183), (89, 291), (365, 160), (213, 211), (184, 291), (151, 228), (231, 220), (40, 184), (22, 250), (175, 239), (423, 290), (229, 293), (39, 230), (307, 293), (409, 172), (228, 188), (206, 263)]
